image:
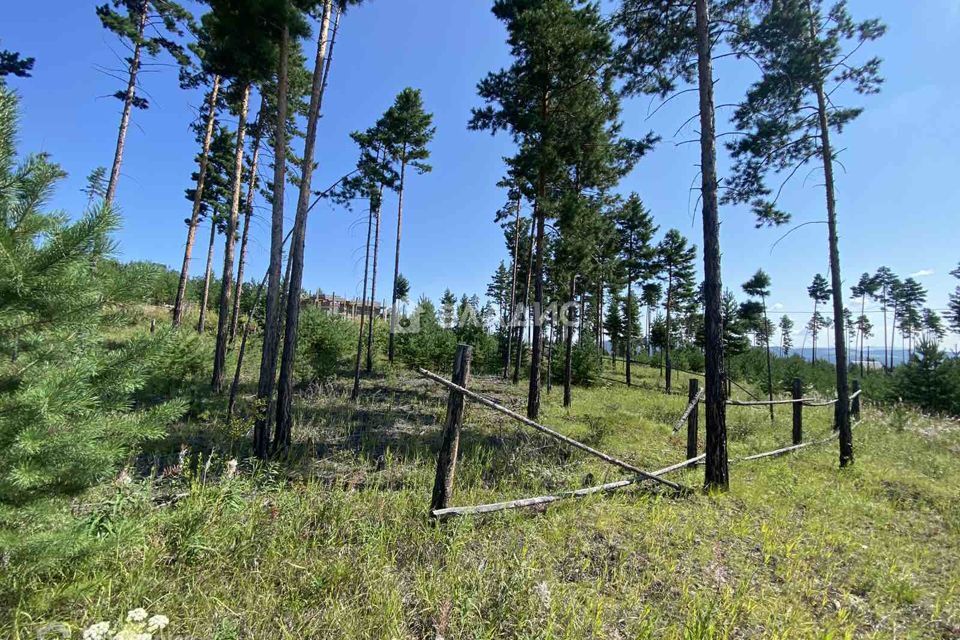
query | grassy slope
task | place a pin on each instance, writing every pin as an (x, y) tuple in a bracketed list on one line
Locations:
[(343, 549)]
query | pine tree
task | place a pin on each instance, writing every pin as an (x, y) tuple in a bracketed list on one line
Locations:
[(147, 28), (819, 292), (786, 335), (789, 118), (953, 312), (614, 325), (447, 309), (11, 64), (759, 286), (409, 129), (675, 262), (661, 42), (284, 424), (96, 185), (639, 260), (866, 287), (886, 283), (67, 418), (547, 100), (909, 297)]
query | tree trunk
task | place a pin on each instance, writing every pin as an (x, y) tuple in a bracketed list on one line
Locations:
[(355, 394), (202, 322), (127, 106), (513, 292), (536, 346), (628, 335), (226, 286), (668, 382), (284, 425), (568, 353), (268, 358), (247, 217), (550, 344), (842, 407), (373, 281), (526, 298), (396, 259), (863, 337), (716, 474), (766, 327), (180, 301)]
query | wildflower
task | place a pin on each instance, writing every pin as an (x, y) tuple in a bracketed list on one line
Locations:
[(97, 631), (231, 468), (137, 615), (132, 634), (157, 623)]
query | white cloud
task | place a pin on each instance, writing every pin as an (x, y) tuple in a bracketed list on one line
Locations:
[(778, 306), (923, 273)]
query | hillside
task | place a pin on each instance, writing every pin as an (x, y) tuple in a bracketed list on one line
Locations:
[(340, 545)]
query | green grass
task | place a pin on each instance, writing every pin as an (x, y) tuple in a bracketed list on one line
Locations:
[(336, 542)]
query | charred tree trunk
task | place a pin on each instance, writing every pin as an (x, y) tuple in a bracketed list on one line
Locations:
[(226, 286), (268, 357), (284, 424), (716, 474), (128, 99), (179, 303)]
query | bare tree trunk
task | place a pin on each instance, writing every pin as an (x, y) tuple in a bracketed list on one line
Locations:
[(226, 286), (247, 217), (716, 474), (526, 298), (536, 347), (127, 106), (180, 302), (202, 322), (284, 424), (396, 259), (568, 354), (373, 282), (669, 363), (268, 358), (766, 327), (628, 335), (366, 266), (842, 407), (513, 291)]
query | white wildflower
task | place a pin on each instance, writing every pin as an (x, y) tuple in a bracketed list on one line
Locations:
[(157, 623), (231, 468), (97, 631), (542, 591), (132, 634), (137, 615)]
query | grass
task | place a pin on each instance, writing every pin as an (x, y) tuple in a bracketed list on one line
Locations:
[(335, 542)]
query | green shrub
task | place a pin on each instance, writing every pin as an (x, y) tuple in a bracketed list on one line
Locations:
[(67, 416), (325, 343)]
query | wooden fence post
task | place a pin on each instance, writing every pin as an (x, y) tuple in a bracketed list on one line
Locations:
[(855, 407), (447, 459), (797, 411), (692, 420)]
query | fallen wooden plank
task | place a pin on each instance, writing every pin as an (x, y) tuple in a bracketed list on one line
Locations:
[(548, 431), (451, 512), (690, 408)]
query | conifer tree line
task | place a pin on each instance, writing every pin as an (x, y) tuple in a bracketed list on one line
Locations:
[(590, 272)]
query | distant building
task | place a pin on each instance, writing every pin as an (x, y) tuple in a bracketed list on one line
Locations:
[(349, 308)]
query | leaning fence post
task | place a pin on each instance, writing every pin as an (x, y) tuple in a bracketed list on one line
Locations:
[(855, 408), (692, 420), (797, 411), (447, 459)]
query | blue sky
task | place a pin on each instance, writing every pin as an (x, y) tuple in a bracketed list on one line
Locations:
[(898, 200)]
